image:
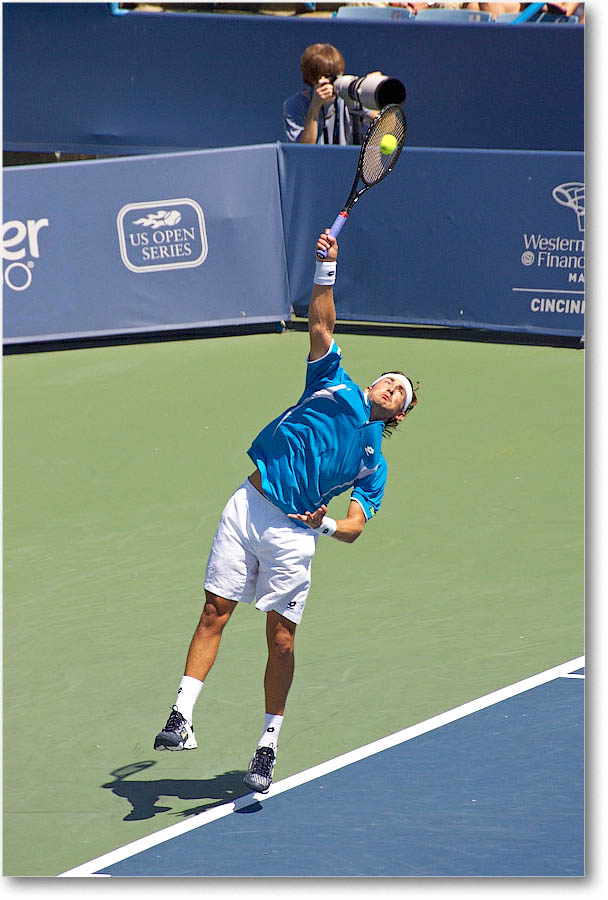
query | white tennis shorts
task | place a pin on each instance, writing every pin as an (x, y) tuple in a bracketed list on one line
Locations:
[(259, 554)]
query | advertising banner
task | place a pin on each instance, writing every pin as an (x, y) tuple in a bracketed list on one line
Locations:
[(143, 244), (471, 239), (460, 238)]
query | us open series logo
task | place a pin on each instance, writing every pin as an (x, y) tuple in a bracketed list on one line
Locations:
[(161, 235)]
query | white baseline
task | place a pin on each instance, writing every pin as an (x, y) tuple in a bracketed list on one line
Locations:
[(90, 868)]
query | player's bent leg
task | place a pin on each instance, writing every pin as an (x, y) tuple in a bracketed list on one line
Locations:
[(280, 637), (178, 733), (207, 636)]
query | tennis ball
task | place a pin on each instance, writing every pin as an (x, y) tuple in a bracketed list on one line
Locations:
[(388, 144)]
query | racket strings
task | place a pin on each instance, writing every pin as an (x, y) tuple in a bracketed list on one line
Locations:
[(375, 164)]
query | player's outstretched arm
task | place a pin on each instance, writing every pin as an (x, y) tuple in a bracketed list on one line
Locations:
[(321, 309), (347, 530)]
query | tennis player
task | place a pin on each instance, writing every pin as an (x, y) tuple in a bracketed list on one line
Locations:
[(327, 443)]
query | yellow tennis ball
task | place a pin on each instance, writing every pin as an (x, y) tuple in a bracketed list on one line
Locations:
[(388, 144)]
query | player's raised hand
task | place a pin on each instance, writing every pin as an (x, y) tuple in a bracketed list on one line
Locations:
[(328, 245)]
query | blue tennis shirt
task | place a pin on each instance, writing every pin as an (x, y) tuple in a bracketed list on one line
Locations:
[(323, 445)]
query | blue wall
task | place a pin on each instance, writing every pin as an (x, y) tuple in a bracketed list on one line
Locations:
[(216, 237), (78, 79)]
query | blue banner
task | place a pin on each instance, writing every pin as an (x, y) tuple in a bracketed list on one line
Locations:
[(143, 244), (470, 239), (460, 238)]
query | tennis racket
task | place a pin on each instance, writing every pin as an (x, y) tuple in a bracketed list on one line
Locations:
[(373, 165)]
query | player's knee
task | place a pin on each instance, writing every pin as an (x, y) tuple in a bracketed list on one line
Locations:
[(215, 613), (281, 644)]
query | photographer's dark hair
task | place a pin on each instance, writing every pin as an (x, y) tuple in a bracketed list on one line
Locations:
[(321, 60), (392, 424)]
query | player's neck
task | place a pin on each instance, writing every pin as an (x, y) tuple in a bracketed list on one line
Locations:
[(378, 414)]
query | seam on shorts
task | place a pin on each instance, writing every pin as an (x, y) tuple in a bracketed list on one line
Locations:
[(220, 593), (289, 618)]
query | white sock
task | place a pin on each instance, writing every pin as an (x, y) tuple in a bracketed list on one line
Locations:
[(187, 695), (270, 735)]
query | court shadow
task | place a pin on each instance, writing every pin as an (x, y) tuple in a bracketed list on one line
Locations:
[(144, 795)]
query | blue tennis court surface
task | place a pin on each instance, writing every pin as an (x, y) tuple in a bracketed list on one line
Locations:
[(498, 792)]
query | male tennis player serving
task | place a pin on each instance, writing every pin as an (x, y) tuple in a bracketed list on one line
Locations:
[(329, 442)]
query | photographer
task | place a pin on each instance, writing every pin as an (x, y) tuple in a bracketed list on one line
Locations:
[(316, 115)]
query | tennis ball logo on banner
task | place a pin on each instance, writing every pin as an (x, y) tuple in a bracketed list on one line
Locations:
[(162, 235)]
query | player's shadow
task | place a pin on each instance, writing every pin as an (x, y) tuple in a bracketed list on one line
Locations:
[(143, 795)]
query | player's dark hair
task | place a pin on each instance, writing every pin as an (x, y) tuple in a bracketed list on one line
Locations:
[(392, 424)]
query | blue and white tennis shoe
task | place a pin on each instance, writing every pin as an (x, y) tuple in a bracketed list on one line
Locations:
[(261, 767), (176, 735)]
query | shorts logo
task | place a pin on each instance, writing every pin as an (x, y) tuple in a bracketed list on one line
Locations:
[(291, 604), (369, 451), (164, 234)]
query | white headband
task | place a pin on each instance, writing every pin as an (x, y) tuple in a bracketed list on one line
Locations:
[(409, 393)]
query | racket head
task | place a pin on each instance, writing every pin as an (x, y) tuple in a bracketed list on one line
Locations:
[(373, 164)]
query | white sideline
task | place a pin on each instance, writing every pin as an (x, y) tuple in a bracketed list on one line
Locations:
[(90, 868)]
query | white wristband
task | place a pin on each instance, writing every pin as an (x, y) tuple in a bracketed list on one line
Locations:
[(327, 527), (325, 272)]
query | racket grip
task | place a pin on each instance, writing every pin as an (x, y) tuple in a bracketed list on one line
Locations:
[(336, 228)]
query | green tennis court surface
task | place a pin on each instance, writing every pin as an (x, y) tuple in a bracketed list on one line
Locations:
[(117, 462)]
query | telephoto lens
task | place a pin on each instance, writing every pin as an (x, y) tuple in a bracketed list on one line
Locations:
[(371, 91)]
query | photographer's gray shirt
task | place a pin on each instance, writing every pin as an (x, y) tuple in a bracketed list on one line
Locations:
[(295, 110)]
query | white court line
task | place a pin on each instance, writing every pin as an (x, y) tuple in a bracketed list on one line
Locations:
[(218, 812)]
